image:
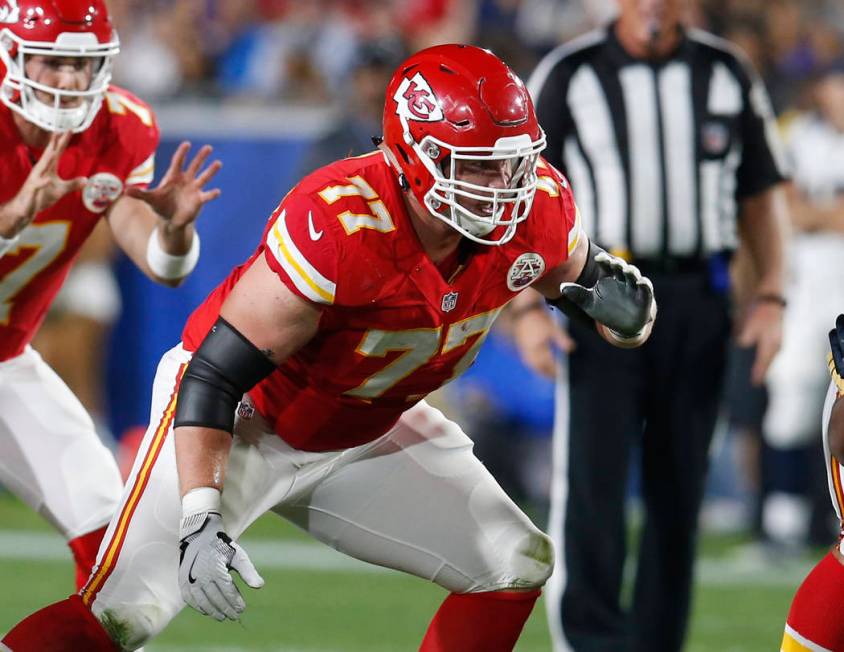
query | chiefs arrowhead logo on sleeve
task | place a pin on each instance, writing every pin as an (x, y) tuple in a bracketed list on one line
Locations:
[(525, 270), (416, 101), (9, 11)]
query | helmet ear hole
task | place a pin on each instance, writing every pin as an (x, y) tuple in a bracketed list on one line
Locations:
[(445, 164), (404, 154)]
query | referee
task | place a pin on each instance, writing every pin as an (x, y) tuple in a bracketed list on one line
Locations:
[(667, 138)]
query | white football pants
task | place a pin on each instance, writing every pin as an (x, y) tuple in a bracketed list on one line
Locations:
[(416, 500), (50, 454)]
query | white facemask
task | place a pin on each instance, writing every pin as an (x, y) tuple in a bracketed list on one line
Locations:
[(18, 91)]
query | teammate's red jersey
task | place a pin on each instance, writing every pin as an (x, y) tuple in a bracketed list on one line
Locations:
[(392, 328), (116, 151)]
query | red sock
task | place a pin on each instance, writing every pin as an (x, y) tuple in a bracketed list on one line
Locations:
[(817, 611), (66, 626), (84, 551), (479, 622)]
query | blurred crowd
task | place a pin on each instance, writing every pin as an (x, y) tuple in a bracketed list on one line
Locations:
[(304, 51)]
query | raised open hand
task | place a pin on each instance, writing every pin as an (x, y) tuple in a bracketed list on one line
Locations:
[(44, 187), (180, 195)]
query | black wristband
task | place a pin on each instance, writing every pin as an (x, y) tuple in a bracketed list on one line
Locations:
[(591, 271), (588, 277)]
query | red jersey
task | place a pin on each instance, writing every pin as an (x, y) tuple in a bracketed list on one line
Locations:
[(116, 151), (392, 328)]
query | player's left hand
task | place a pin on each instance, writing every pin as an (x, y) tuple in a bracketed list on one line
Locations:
[(622, 300), (762, 328), (180, 195), (207, 555)]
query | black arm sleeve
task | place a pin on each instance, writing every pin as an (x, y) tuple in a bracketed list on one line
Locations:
[(222, 370), (589, 275)]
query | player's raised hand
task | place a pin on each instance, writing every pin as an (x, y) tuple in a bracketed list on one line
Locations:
[(43, 187), (207, 555), (181, 194)]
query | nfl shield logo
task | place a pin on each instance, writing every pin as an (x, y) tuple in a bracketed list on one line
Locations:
[(715, 137), (245, 411), (449, 301)]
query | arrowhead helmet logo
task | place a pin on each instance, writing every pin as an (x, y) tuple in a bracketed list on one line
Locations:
[(416, 101), (9, 11)]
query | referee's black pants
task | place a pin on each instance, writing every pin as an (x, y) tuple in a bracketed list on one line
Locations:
[(663, 396)]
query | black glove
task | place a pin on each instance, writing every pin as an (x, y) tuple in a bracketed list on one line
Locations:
[(621, 299)]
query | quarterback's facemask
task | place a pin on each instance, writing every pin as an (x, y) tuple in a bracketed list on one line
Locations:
[(455, 103), (55, 28)]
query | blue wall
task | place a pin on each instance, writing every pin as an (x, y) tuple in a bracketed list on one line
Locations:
[(256, 174)]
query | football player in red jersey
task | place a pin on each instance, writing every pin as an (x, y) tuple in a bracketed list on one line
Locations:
[(815, 620), (72, 150), (300, 380)]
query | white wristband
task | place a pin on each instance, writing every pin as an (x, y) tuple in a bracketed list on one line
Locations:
[(167, 266), (6, 244), (201, 499)]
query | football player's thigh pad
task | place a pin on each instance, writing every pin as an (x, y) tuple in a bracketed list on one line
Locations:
[(419, 501), (50, 454)]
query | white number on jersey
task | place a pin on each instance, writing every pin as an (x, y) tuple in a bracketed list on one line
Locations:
[(48, 241), (378, 219), (419, 346)]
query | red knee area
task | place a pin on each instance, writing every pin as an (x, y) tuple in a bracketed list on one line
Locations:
[(84, 551), (817, 611), (66, 626), (479, 622)]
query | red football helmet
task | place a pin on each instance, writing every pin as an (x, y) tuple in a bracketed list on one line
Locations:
[(453, 103), (55, 28)]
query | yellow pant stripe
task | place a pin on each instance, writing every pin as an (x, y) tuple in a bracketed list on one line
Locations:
[(89, 592)]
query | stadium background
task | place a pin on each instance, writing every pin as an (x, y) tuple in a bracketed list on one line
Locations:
[(262, 81)]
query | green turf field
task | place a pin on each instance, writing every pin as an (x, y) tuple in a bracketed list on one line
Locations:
[(317, 601)]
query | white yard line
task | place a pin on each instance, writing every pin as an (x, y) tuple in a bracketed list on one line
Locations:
[(44, 546), (747, 570)]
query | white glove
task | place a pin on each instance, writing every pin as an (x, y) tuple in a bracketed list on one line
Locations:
[(207, 555)]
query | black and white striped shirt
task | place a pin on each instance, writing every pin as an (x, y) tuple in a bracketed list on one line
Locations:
[(658, 153)]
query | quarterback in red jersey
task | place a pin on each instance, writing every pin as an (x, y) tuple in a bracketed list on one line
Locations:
[(816, 618), (72, 150), (301, 379)]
